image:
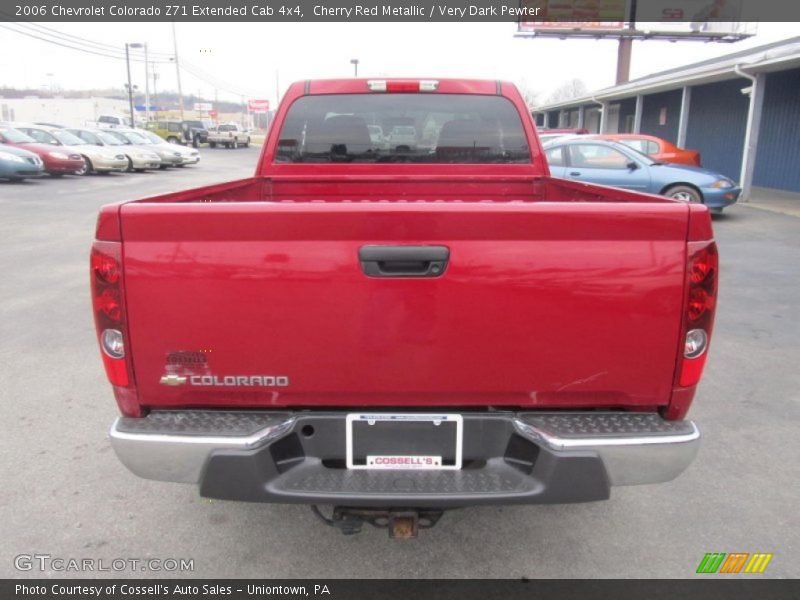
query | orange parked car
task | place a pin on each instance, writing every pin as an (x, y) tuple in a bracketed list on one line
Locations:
[(656, 148)]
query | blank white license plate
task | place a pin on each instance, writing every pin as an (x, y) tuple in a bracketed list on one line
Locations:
[(404, 441)]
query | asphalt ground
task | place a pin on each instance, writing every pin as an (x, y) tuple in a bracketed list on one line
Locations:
[(64, 494)]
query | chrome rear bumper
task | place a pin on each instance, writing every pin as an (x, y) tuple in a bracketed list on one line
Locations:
[(174, 446), (512, 457), (635, 448)]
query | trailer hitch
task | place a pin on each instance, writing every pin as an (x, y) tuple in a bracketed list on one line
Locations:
[(403, 524)]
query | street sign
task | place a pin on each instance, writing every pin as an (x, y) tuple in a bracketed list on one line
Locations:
[(258, 106), (202, 106)]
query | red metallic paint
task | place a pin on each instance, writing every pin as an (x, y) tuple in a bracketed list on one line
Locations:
[(557, 295)]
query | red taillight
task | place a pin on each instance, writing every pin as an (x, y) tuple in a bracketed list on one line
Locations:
[(109, 310), (700, 304), (109, 303), (105, 267), (702, 266)]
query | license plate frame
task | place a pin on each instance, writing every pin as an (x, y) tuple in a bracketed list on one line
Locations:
[(399, 419)]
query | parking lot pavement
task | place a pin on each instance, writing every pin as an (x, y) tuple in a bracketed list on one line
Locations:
[(64, 493)]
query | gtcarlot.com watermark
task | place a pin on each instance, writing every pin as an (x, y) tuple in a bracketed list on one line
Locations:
[(59, 564)]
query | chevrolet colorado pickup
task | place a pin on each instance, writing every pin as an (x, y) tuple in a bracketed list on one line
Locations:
[(397, 331)]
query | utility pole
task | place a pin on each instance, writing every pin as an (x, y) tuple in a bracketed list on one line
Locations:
[(177, 69), (146, 85), (155, 88), (130, 87)]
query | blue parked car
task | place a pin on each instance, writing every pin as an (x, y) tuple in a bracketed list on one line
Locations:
[(18, 164), (618, 165)]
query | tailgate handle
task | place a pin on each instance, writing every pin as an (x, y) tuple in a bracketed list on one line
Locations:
[(403, 261)]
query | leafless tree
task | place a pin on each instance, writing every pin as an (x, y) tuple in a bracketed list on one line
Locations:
[(531, 96), (568, 90)]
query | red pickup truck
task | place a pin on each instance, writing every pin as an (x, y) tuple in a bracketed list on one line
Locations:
[(399, 329)]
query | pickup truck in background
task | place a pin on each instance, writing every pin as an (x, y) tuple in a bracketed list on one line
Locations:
[(230, 135), (398, 331)]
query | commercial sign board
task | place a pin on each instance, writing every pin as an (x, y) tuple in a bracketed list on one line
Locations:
[(575, 14), (613, 15), (258, 106)]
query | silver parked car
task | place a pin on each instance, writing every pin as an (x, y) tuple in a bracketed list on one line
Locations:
[(172, 155)]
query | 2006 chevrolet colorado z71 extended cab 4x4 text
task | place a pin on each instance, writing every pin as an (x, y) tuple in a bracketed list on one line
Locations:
[(399, 329)]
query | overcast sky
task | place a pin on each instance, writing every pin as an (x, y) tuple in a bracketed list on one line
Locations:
[(248, 58)]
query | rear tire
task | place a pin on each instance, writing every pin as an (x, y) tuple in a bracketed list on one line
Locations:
[(685, 193), (172, 139), (212, 144)]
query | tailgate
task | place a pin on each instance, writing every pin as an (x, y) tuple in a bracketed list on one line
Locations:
[(541, 304)]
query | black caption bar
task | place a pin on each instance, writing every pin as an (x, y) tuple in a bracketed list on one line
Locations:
[(353, 589), (395, 10)]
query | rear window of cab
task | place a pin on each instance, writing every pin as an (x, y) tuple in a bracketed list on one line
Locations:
[(421, 128)]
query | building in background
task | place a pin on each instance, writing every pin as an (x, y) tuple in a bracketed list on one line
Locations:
[(741, 111), (64, 111)]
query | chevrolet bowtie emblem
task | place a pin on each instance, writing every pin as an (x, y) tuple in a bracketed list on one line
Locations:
[(173, 380)]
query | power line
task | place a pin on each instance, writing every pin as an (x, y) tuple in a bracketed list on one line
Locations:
[(68, 37), (73, 38), (206, 77), (96, 52), (64, 40)]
